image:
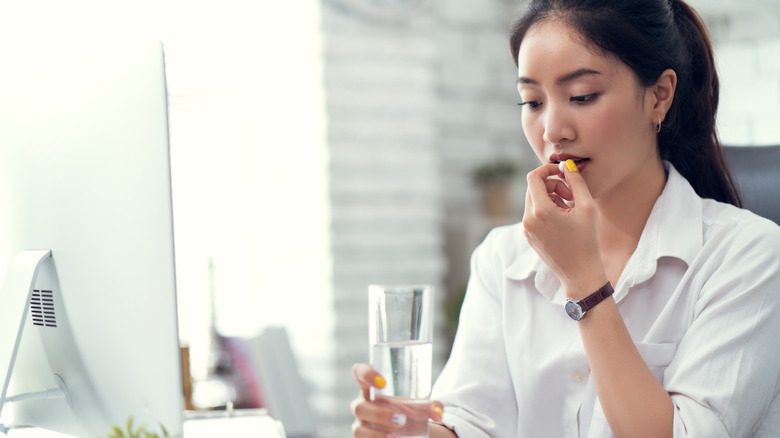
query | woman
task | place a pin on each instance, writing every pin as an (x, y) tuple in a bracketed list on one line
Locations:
[(670, 289)]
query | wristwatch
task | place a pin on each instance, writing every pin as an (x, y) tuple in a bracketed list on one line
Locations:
[(576, 309)]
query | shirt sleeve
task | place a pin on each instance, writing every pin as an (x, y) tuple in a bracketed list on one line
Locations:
[(725, 373), (475, 385)]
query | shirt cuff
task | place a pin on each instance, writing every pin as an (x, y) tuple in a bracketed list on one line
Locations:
[(459, 426)]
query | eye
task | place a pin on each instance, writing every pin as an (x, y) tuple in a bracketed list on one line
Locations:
[(531, 104), (584, 99)]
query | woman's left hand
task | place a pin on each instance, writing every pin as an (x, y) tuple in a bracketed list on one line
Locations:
[(565, 237)]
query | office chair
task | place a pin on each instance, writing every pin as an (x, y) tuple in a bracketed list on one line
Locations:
[(758, 178)]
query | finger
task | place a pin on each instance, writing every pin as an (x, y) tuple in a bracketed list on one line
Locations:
[(529, 212), (577, 184), (558, 200), (437, 411), (377, 415), (557, 186), (537, 183), (367, 377), (364, 430)]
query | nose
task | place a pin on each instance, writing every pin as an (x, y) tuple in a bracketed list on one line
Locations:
[(558, 126)]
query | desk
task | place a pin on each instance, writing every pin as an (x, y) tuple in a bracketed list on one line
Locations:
[(252, 424)]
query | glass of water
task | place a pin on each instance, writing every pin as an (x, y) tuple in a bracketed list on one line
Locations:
[(400, 336)]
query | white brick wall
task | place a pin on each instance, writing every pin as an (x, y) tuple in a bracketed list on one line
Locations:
[(413, 107), (477, 116), (385, 183), (747, 52)]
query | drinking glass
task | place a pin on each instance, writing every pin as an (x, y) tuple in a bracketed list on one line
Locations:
[(400, 336)]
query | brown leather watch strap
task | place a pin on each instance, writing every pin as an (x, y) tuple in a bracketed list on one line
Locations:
[(600, 295)]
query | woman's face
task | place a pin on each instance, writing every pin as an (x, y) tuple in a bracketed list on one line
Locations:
[(579, 103)]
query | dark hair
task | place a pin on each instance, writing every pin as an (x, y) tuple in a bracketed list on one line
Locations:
[(651, 36)]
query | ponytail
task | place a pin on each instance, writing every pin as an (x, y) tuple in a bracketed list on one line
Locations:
[(690, 141), (650, 36)]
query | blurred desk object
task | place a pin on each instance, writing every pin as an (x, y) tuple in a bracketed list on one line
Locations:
[(758, 179), (273, 362), (242, 423), (249, 423), (259, 372)]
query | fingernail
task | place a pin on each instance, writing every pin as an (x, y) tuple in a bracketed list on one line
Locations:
[(399, 419), (379, 382), (571, 165), (439, 411)]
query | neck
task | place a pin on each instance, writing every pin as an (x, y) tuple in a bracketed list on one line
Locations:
[(623, 213)]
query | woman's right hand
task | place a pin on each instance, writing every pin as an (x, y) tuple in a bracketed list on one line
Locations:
[(378, 420)]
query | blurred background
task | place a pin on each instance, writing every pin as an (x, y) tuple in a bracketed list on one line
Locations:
[(319, 146)]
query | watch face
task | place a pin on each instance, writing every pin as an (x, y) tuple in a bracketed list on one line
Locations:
[(574, 310)]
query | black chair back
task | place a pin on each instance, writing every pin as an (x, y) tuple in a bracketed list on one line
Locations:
[(757, 170)]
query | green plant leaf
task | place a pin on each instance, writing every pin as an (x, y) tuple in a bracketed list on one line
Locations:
[(141, 432), (116, 432), (131, 431)]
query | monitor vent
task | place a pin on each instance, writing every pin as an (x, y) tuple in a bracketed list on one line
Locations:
[(42, 308)]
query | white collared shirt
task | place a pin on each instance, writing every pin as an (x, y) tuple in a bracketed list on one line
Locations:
[(700, 297)]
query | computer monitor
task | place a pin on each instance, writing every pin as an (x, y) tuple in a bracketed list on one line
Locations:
[(88, 325)]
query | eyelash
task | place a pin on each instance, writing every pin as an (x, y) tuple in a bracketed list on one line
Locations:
[(584, 99), (580, 100), (532, 104)]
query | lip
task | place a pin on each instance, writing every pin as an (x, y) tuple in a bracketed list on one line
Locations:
[(580, 161)]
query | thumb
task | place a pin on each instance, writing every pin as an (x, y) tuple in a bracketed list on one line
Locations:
[(437, 411), (576, 182)]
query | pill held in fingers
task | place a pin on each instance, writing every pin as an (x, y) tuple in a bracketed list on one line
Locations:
[(568, 164)]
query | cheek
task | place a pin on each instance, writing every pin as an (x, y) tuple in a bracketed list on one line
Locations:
[(614, 123)]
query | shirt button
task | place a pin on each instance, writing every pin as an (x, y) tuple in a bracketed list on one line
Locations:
[(578, 376)]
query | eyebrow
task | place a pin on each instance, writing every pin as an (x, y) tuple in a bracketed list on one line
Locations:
[(568, 77)]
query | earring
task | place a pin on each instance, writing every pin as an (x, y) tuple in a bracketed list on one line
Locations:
[(658, 128)]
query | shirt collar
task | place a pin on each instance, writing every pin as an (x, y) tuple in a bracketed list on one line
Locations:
[(673, 229)]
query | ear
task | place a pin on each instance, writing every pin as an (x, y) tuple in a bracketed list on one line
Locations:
[(663, 93)]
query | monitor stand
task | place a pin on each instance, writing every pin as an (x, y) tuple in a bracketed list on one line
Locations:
[(14, 299)]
